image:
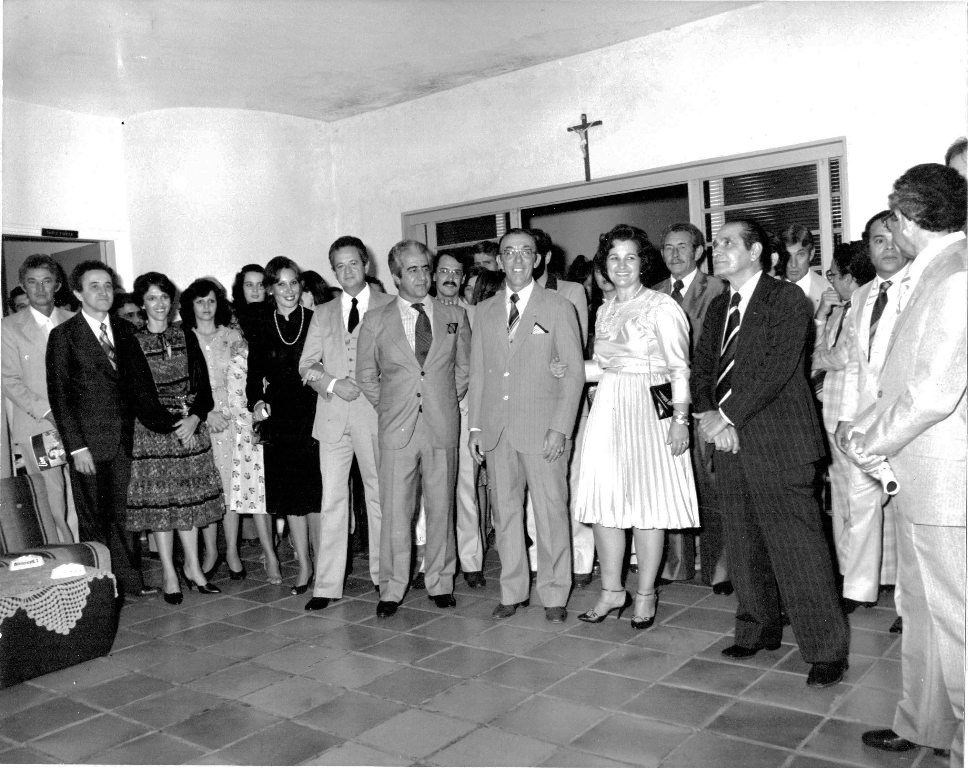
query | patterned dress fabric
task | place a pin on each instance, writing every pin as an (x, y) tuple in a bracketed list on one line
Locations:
[(247, 484), (173, 486), (629, 478)]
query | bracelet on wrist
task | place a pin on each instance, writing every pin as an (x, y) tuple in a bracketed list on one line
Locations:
[(680, 418)]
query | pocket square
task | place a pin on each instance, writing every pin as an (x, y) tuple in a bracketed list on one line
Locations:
[(451, 327), (537, 329)]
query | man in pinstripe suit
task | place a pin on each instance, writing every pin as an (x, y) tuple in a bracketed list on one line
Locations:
[(521, 417), (752, 398)]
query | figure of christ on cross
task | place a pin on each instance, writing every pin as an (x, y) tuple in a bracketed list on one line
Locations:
[(582, 130)]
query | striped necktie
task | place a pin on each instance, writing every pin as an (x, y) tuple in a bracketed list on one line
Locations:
[(108, 347), (726, 357), (879, 303), (677, 291), (513, 316), (422, 334), (840, 325)]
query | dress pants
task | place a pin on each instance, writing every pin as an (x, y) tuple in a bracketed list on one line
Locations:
[(470, 537), (101, 501), (335, 460), (512, 472), (775, 538), (403, 472)]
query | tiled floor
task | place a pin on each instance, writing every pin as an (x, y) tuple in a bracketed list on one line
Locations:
[(248, 677)]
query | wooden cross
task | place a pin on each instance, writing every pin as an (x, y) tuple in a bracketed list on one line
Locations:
[(582, 130)]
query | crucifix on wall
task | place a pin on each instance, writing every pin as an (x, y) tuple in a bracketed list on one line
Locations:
[(582, 130)]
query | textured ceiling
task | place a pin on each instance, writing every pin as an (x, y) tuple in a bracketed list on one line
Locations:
[(320, 59)]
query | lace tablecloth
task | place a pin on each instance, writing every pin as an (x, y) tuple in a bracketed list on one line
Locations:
[(54, 604)]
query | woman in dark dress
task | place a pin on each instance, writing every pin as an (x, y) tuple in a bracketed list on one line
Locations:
[(285, 409), (174, 483)]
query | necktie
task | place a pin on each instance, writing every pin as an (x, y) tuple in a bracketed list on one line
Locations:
[(108, 346), (726, 357), (840, 326), (354, 319), (879, 303), (422, 334), (513, 316), (677, 291)]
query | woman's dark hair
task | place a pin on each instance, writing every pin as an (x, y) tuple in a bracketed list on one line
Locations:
[(274, 269), (782, 257), (238, 294), (143, 283), (627, 233), (580, 270), (488, 283), (199, 290), (317, 286)]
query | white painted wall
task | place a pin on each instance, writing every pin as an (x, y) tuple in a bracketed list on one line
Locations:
[(65, 170)]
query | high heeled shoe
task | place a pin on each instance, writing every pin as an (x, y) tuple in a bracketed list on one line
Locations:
[(203, 589), (638, 620), (173, 598), (594, 617), (210, 573), (238, 575)]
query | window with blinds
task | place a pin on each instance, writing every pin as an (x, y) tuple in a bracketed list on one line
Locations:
[(778, 197), (457, 237)]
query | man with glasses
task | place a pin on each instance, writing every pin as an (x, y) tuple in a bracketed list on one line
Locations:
[(521, 417), (917, 421), (682, 247)]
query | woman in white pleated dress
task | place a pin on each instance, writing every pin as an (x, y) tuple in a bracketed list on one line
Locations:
[(635, 467)]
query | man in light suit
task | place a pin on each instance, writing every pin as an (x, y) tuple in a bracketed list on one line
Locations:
[(24, 376), (345, 423), (413, 368), (752, 398), (800, 247), (918, 421), (682, 246), (865, 538), (521, 417)]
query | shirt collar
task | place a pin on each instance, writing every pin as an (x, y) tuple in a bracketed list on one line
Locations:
[(40, 319), (523, 295), (748, 287), (687, 280), (362, 299)]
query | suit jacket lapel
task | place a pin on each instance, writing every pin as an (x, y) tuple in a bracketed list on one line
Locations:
[(394, 325), (751, 322), (693, 296), (30, 328), (526, 322), (439, 327)]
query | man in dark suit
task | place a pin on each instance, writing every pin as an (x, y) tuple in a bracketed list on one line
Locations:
[(97, 381), (682, 246), (521, 416), (413, 368), (752, 398)]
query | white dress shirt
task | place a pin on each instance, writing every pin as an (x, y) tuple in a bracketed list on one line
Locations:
[(95, 326), (362, 304), (46, 323), (885, 325), (409, 316), (524, 296), (686, 281)]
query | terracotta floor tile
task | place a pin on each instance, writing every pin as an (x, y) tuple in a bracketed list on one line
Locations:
[(671, 639), (840, 740), (802, 761), (213, 610), (527, 674), (632, 740), (570, 650), (350, 714), (461, 661), (149, 750), (407, 648), (222, 725), (408, 617), (705, 619), (415, 733), (306, 628), (260, 618), (249, 646), (566, 757), (409, 685), (190, 666), (493, 747), (477, 701), (292, 697), (208, 634), (868, 705), (767, 724), (120, 691), (728, 679), (619, 632), (351, 670), (640, 663), (24, 756), (350, 610), (868, 643), (683, 594), (80, 741), (169, 707), (597, 688), (710, 749), (237, 681), (349, 753), (283, 744), (125, 638), (296, 658), (43, 718), (354, 637), (680, 706), (169, 624), (884, 674), (20, 697), (86, 675), (507, 638), (787, 690), (550, 719), (453, 628)]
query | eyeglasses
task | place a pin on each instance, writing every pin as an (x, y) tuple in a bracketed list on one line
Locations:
[(510, 253), (458, 273)]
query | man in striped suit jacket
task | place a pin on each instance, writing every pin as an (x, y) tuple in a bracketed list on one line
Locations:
[(751, 395)]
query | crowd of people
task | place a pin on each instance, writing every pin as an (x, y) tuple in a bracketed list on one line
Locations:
[(698, 414)]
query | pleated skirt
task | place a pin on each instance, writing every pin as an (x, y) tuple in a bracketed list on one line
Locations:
[(629, 477)]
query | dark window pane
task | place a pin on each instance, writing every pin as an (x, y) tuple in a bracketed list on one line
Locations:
[(774, 217), (467, 230), (770, 185)]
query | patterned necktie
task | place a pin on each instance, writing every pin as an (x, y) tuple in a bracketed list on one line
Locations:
[(840, 325), (513, 316), (422, 334), (354, 319), (677, 291), (726, 357), (879, 303), (108, 346)]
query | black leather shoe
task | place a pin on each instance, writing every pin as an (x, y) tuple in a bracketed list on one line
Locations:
[(946, 753), (888, 741), (897, 627), (318, 603), (741, 652), (146, 592), (210, 573), (238, 575), (852, 605), (557, 614), (475, 579), (376, 588), (824, 674), (506, 611), (443, 601), (386, 608), (723, 588), (173, 598), (419, 582), (581, 580)]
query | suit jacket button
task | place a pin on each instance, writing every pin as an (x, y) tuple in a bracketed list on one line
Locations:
[(880, 393), (505, 397), (418, 394), (507, 373)]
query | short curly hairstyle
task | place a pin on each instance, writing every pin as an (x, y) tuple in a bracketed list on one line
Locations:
[(627, 233), (932, 196), (199, 289), (143, 283)]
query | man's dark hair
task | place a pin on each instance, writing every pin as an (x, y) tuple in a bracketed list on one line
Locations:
[(797, 234), (515, 231), (238, 285), (143, 283), (626, 233), (39, 261), (348, 241), (488, 283), (932, 196), (882, 217), (698, 239), (77, 274), (458, 259), (200, 289), (959, 147), (853, 259), (486, 246), (751, 231), (782, 257)]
